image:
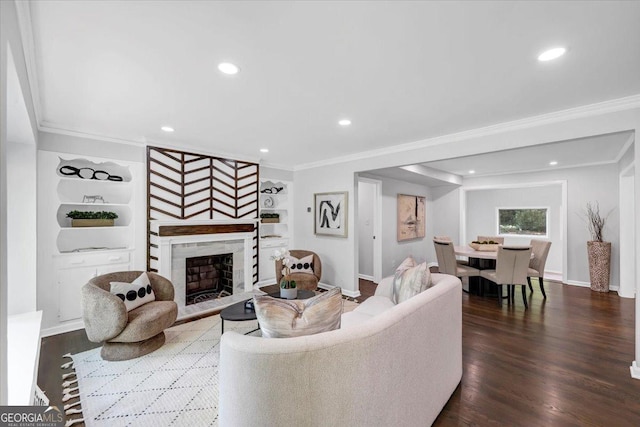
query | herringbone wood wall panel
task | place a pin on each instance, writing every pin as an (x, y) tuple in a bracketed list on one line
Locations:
[(183, 185)]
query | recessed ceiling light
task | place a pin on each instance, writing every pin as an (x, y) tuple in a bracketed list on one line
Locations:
[(472, 172), (553, 163), (167, 128), (550, 54), (228, 68), (344, 122), (264, 150)]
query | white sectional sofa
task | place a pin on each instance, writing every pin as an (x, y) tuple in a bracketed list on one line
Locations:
[(388, 365)]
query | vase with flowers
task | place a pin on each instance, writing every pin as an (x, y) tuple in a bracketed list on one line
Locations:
[(288, 289)]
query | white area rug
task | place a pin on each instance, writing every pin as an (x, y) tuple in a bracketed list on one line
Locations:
[(176, 385)]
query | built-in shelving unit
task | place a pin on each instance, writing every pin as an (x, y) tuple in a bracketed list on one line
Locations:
[(275, 198), (70, 256), (86, 186)]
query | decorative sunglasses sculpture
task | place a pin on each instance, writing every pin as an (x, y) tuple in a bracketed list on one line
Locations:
[(88, 173)]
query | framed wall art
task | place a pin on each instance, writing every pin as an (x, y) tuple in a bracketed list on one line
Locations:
[(330, 214), (411, 217)]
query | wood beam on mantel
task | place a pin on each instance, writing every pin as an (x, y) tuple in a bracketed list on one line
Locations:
[(190, 230)]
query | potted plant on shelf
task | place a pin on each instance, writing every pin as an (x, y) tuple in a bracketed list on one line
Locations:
[(288, 288), (92, 219), (598, 251), (269, 218)]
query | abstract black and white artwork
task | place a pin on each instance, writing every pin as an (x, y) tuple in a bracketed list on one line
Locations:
[(331, 214)]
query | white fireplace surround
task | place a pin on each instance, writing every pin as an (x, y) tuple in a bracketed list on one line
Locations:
[(166, 246)]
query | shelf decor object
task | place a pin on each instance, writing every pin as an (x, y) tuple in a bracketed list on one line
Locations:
[(92, 219), (269, 218), (330, 215), (484, 247)]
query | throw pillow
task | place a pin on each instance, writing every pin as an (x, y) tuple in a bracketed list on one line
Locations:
[(134, 294), (302, 265), (411, 281), (281, 318), (408, 263)]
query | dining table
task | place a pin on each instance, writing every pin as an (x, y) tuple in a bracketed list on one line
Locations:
[(469, 252), (482, 260)]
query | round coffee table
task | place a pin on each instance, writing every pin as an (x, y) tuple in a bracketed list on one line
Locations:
[(238, 312)]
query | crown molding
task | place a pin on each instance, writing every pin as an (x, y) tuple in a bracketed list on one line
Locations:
[(199, 150), (611, 106), (51, 129), (23, 10), (277, 166), (143, 142)]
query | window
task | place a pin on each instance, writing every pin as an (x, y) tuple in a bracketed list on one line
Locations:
[(523, 221)]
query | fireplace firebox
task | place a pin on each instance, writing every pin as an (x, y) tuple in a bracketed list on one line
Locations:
[(208, 277)]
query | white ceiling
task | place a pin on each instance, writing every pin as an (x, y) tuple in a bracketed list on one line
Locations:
[(401, 71), (596, 150)]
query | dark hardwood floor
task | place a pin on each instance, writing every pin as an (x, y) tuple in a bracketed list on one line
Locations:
[(563, 362)]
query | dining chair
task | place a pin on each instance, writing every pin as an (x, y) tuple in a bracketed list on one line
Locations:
[(499, 240), (447, 262), (540, 249), (512, 264)]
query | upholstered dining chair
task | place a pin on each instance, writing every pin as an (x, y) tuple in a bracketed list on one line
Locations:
[(127, 334), (304, 280), (447, 262), (499, 240), (540, 249), (512, 264)]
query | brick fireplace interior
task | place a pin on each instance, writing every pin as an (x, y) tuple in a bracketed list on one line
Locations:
[(209, 277)]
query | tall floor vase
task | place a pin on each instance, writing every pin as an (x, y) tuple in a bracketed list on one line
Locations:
[(599, 265)]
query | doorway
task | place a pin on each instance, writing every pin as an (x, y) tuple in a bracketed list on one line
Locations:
[(369, 229)]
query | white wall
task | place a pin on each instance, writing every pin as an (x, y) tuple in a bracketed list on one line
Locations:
[(338, 255), (366, 210), (272, 173), (21, 235), (10, 41), (3, 203), (445, 213), (481, 215), (394, 252)]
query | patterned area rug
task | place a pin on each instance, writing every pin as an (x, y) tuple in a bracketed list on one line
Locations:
[(176, 385)]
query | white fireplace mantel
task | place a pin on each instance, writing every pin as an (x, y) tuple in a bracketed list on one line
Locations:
[(167, 242), (155, 224)]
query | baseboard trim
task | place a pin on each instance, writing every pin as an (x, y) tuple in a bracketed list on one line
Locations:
[(62, 329), (588, 285), (365, 277), (635, 370), (577, 283), (350, 294)]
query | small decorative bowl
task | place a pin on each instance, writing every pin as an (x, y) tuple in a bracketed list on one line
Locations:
[(484, 247)]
